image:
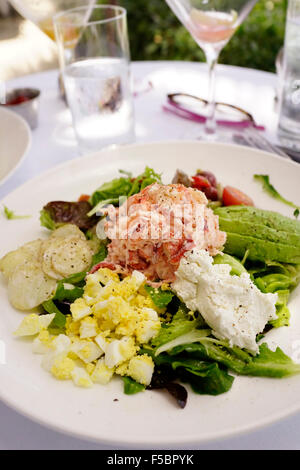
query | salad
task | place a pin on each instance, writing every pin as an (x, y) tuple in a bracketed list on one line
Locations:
[(161, 285)]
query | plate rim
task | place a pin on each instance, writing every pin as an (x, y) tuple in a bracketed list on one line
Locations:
[(25, 125), (161, 443), (140, 443), (102, 152)]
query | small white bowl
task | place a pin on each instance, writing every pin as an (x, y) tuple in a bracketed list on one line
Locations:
[(28, 109)]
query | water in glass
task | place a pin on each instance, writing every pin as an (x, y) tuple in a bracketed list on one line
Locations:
[(99, 95)]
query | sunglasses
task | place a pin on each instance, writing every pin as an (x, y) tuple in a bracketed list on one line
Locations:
[(191, 107)]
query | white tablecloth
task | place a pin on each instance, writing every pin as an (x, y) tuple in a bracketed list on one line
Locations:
[(54, 143)]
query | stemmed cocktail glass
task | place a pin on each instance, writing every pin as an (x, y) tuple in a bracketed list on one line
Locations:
[(211, 23), (41, 12)]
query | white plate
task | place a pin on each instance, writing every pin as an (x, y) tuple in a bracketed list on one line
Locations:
[(148, 419), (15, 140)]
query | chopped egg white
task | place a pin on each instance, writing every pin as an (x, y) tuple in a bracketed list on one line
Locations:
[(118, 351), (87, 351), (80, 309), (102, 374), (81, 378), (148, 328), (32, 324), (141, 368), (61, 343), (51, 357), (62, 367), (42, 344), (103, 334), (88, 327), (232, 306), (102, 342)]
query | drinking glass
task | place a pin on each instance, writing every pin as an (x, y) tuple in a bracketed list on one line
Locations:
[(289, 109), (211, 23), (41, 13), (94, 59)]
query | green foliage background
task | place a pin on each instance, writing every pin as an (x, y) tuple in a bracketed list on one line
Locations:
[(156, 34)]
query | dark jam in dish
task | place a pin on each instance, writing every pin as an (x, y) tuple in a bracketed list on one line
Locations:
[(18, 100)]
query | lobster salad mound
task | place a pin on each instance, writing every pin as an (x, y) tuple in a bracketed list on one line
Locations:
[(152, 231)]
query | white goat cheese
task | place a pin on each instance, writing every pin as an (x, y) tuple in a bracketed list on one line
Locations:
[(232, 306)]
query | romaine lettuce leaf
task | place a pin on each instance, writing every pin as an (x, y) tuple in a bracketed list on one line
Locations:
[(110, 192), (192, 336), (131, 386), (149, 176), (277, 278), (59, 321), (100, 256), (181, 324), (76, 279), (265, 364), (46, 220), (204, 377), (212, 381), (209, 349), (161, 298), (271, 364), (67, 292)]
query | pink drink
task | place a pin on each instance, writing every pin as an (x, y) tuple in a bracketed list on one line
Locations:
[(212, 26)]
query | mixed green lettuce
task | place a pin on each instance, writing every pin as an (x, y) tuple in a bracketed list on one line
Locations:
[(187, 349), (132, 387), (57, 213), (182, 324), (205, 377), (121, 188), (11, 215), (59, 321), (161, 298), (269, 188), (47, 221), (273, 277), (100, 256), (67, 292)]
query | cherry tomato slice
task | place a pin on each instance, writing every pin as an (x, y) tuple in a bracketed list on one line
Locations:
[(200, 182), (235, 197), (84, 197)]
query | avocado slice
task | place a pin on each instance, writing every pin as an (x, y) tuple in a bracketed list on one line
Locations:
[(253, 215), (265, 235), (261, 250), (259, 230)]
